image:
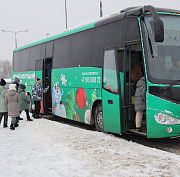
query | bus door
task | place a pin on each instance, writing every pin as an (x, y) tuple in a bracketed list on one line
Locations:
[(39, 73), (47, 83), (111, 92)]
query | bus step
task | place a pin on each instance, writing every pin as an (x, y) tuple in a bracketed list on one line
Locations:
[(48, 115), (141, 133)]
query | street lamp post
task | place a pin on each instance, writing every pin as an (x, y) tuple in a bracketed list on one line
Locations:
[(15, 34), (66, 12), (101, 11)]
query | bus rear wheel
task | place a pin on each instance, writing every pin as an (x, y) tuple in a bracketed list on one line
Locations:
[(98, 117)]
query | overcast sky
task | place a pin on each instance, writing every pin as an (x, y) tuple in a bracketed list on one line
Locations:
[(48, 16)]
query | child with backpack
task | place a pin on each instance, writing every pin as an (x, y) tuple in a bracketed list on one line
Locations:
[(23, 106)]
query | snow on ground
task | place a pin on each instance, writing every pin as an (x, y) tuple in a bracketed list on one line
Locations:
[(49, 149)]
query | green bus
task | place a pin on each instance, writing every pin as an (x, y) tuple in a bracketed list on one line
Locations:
[(92, 71)]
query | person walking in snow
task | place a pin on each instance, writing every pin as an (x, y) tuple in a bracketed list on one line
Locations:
[(36, 96), (23, 106), (3, 107), (12, 99), (17, 82), (140, 102)]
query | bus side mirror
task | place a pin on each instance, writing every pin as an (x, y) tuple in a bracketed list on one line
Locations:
[(157, 27)]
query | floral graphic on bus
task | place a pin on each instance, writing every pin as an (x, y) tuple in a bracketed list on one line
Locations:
[(63, 79)]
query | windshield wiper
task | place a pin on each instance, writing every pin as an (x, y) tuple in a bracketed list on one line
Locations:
[(169, 86)]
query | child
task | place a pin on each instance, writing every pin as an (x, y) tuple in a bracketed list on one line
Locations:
[(139, 104), (3, 107), (23, 102), (12, 99)]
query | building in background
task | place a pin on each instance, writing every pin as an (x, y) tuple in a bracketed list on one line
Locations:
[(5, 69)]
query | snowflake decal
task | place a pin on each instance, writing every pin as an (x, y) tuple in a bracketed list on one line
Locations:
[(63, 79)]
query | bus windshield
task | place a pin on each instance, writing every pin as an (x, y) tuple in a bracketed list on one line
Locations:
[(163, 62)]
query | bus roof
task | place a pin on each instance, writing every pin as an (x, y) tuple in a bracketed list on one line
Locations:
[(131, 11)]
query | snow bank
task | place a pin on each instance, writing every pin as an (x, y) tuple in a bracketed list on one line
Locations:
[(47, 148)]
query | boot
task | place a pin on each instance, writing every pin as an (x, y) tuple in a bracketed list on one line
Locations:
[(37, 116), (20, 118), (12, 127), (28, 119), (16, 125)]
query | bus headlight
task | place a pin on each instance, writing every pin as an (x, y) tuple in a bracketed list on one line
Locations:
[(166, 119)]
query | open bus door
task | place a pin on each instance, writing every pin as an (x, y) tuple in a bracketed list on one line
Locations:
[(111, 105), (39, 70)]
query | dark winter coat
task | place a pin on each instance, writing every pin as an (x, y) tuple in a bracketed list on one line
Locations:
[(3, 105), (23, 100), (37, 90), (12, 99), (140, 95)]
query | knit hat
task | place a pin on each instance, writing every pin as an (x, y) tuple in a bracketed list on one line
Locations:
[(3, 82), (17, 79), (23, 86), (12, 86), (39, 81)]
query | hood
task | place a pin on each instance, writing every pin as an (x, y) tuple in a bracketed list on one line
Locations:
[(12, 92), (20, 90), (140, 83), (1, 89)]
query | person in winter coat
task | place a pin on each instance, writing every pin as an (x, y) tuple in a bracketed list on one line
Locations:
[(3, 107), (140, 102), (36, 96), (17, 82), (12, 99), (23, 106)]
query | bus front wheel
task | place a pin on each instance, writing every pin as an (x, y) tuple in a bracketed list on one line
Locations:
[(98, 117)]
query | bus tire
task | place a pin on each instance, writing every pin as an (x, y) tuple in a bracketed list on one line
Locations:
[(98, 118), (30, 103)]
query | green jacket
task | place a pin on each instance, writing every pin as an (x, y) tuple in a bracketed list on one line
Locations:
[(23, 100), (3, 105)]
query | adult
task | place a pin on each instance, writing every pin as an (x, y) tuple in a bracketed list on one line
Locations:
[(140, 102), (36, 96), (12, 99), (3, 107), (17, 82)]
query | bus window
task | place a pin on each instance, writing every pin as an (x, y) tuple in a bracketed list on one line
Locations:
[(110, 75)]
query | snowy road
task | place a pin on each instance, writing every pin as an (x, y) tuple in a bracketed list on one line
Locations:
[(47, 148)]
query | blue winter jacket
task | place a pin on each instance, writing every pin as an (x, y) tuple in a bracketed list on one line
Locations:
[(37, 90)]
